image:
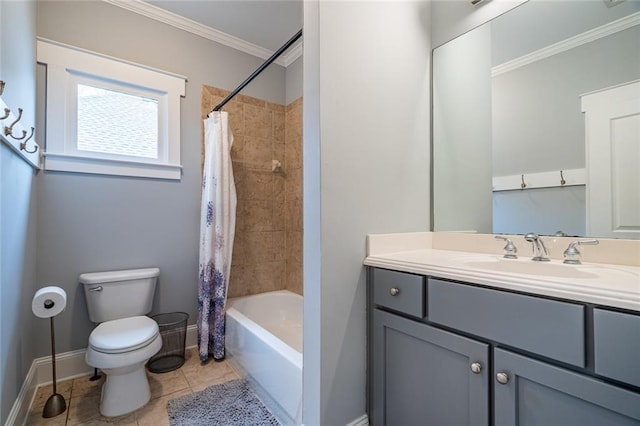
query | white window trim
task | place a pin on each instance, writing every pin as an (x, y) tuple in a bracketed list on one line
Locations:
[(65, 66)]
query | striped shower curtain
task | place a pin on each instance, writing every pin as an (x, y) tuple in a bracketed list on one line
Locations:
[(217, 231)]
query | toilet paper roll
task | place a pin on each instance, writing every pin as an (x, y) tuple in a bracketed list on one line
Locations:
[(49, 302)]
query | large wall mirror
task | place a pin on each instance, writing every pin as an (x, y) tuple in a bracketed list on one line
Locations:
[(513, 100)]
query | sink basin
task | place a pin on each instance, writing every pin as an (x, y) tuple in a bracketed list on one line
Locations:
[(529, 267)]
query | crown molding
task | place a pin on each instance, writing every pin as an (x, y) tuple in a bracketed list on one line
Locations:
[(156, 13), (292, 54), (570, 43)]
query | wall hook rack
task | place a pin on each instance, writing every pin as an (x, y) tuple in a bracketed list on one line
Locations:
[(23, 145), (9, 129)]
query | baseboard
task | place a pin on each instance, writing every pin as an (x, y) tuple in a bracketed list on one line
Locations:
[(20, 410), (360, 421), (69, 365), (192, 336)]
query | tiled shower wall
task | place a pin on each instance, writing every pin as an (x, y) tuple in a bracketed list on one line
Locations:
[(267, 252)]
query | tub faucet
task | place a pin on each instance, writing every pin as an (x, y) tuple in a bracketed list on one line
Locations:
[(540, 253)]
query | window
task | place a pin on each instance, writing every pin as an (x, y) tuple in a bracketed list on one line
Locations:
[(109, 116), (136, 134)]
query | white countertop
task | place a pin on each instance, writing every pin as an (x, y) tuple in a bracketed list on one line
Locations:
[(597, 283)]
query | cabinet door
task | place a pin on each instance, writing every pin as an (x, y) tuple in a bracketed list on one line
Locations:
[(537, 393), (422, 375)]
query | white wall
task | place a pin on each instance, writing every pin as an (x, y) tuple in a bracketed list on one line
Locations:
[(366, 170), (95, 223)]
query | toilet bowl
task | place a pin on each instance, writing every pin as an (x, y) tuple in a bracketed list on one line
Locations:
[(124, 339), (121, 348)]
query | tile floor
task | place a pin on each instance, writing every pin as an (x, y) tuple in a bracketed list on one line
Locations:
[(83, 396)]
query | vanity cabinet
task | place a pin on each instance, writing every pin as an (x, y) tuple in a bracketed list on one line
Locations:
[(452, 388), (532, 392), (483, 356)]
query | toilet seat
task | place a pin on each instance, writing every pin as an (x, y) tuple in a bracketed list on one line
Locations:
[(123, 335)]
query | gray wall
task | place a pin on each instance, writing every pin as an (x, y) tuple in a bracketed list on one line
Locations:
[(366, 170), (294, 81), (95, 223), (462, 133), (451, 18), (17, 207), (541, 210), (546, 131)]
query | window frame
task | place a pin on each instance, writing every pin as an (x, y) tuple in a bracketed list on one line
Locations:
[(68, 66)]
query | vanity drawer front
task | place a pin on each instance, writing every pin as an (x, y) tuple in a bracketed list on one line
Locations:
[(546, 327), (616, 338), (399, 291)]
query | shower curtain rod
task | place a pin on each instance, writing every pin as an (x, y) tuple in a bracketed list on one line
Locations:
[(258, 71)]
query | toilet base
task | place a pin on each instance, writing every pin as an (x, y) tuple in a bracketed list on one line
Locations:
[(124, 390)]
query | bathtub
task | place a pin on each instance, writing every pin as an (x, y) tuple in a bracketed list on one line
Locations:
[(264, 343)]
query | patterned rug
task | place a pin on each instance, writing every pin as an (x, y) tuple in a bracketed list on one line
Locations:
[(230, 404)]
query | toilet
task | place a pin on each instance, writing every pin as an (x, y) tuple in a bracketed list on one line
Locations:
[(125, 338)]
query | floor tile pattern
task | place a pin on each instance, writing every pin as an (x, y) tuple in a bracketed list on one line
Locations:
[(83, 396)]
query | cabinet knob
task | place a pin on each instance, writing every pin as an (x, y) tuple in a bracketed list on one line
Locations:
[(502, 378), (394, 291), (476, 367)]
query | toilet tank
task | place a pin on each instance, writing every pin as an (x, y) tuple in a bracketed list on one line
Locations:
[(119, 294)]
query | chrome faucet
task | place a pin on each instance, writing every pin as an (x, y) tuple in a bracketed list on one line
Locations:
[(572, 254), (540, 253)]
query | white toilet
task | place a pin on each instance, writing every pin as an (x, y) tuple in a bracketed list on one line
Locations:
[(125, 339)]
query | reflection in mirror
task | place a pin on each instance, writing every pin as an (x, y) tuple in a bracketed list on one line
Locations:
[(515, 147)]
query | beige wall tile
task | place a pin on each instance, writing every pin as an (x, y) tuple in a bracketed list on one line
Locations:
[(239, 243), (278, 152), (251, 101), (293, 218), (257, 122), (268, 203), (294, 246), (294, 277), (236, 117), (257, 153), (275, 107), (255, 185), (258, 215), (265, 247), (293, 186), (279, 126)]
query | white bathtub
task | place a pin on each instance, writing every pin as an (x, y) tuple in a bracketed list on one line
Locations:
[(264, 342)]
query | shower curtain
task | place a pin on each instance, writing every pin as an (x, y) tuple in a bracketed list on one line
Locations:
[(217, 231)]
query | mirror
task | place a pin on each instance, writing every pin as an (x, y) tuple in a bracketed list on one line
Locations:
[(509, 153)]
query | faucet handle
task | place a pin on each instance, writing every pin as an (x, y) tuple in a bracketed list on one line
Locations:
[(510, 248), (572, 254)]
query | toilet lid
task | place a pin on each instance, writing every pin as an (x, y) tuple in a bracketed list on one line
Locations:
[(123, 335)]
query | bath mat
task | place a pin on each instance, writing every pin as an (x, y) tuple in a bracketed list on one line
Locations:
[(230, 404)]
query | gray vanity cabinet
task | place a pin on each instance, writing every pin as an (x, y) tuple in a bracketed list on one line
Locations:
[(476, 356), (532, 392), (423, 375)]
